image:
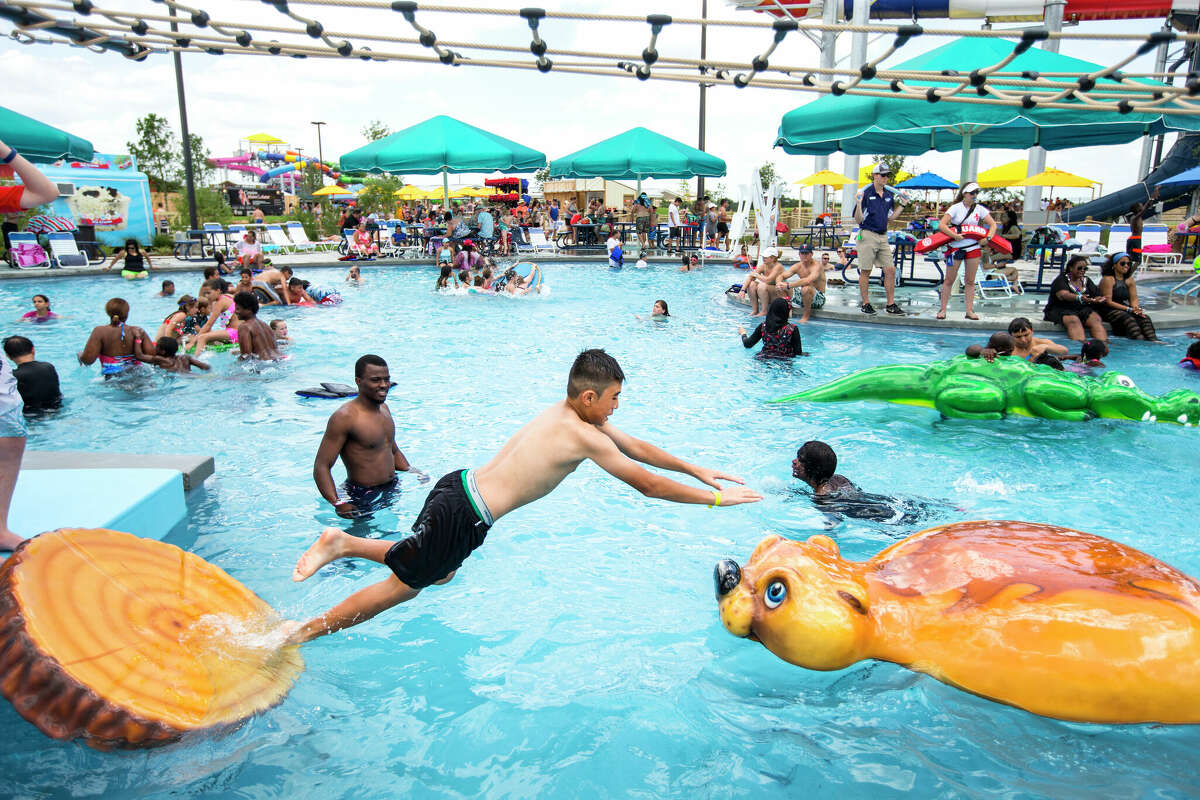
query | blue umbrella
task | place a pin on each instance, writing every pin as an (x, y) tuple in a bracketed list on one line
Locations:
[(1186, 177), (927, 180)]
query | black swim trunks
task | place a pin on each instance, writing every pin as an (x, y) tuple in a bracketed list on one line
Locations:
[(368, 499), (453, 522)]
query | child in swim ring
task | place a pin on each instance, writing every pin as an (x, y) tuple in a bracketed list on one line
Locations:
[(1192, 359)]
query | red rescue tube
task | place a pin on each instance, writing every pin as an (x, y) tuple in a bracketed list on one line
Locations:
[(997, 243)]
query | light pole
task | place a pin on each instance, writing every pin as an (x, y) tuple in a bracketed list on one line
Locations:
[(320, 152), (703, 87), (188, 172)]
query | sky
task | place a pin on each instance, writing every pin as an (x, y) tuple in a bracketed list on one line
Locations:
[(100, 96)]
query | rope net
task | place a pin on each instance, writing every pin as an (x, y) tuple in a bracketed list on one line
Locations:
[(138, 36)]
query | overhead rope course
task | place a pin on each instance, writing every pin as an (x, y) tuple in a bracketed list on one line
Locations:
[(137, 36)]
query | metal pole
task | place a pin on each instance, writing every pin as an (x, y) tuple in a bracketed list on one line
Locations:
[(1160, 66), (858, 57), (703, 88), (320, 152), (1037, 155), (829, 16), (188, 174)]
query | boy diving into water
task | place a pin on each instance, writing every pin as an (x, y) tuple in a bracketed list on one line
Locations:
[(464, 504)]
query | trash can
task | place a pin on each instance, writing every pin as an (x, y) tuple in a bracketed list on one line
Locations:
[(85, 239)]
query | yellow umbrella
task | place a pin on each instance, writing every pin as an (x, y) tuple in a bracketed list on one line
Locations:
[(331, 190), (1005, 175), (477, 192), (409, 192), (864, 175), (825, 177), (1056, 177), (264, 138)]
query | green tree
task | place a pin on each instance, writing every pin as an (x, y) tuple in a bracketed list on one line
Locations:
[(375, 130), (379, 194), (201, 171), (894, 163), (156, 151), (766, 174), (541, 176)]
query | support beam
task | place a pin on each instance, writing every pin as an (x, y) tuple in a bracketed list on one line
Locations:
[(858, 56), (829, 17), (1037, 155)]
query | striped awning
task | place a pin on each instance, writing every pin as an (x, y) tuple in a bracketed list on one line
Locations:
[(50, 223)]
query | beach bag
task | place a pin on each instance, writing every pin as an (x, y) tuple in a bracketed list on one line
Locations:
[(29, 255)]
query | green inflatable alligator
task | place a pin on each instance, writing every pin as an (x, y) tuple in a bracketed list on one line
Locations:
[(972, 388)]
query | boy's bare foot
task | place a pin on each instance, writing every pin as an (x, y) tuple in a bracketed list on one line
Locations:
[(327, 547), (804, 318)]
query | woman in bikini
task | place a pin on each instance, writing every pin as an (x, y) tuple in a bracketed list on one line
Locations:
[(118, 346)]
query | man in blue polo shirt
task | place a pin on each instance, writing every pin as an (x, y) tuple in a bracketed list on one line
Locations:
[(877, 205)]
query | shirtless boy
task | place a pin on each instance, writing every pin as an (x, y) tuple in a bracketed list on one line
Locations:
[(1028, 346), (278, 279), (464, 504), (363, 434), (255, 339), (168, 357), (759, 284), (809, 278), (816, 464)]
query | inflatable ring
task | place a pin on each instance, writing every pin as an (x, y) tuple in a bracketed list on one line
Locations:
[(932, 242), (1055, 621), (129, 275), (525, 269), (131, 643), (264, 292)]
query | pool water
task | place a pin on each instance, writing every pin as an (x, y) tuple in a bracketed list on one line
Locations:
[(579, 652)]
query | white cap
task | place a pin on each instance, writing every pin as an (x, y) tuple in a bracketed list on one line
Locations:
[(881, 169), (971, 187), (712, 205), (770, 252)]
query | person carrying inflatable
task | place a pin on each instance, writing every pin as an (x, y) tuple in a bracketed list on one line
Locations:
[(964, 211)]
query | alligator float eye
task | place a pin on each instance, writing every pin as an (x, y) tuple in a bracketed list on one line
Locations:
[(1126, 381), (776, 594)]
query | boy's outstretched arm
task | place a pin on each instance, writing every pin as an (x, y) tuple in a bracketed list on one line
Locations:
[(604, 451), (647, 453)]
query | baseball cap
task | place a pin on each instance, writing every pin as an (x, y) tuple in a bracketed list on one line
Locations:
[(881, 169), (971, 187), (468, 243), (805, 248), (712, 205), (770, 252)]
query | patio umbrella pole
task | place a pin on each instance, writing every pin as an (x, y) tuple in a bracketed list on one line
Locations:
[(964, 167), (445, 192)]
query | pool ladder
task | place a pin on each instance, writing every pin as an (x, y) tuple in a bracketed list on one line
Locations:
[(1186, 289)]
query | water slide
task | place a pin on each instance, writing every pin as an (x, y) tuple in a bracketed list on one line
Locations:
[(237, 164), (1184, 155), (999, 10)]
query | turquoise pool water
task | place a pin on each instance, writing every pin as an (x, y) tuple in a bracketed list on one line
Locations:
[(579, 653)]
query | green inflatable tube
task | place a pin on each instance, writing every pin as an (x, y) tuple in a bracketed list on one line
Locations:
[(972, 388)]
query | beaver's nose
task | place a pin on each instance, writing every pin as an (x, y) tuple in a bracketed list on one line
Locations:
[(727, 575)]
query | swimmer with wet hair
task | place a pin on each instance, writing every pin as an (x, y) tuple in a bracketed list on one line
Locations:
[(280, 329), (816, 464), (1028, 346), (168, 357), (444, 275), (999, 344)]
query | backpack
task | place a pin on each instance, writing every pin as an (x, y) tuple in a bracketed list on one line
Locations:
[(26, 254)]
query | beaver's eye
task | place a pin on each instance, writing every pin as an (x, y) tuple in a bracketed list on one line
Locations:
[(776, 594), (1126, 381)]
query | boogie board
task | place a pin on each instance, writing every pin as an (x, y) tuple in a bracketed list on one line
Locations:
[(932, 242)]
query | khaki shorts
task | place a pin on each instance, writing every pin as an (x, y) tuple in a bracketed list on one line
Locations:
[(873, 251)]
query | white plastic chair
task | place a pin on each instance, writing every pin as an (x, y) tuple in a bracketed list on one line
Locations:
[(273, 239), (1158, 235), (28, 241), (1118, 238), (537, 243), (65, 251), (1088, 234), (300, 239)]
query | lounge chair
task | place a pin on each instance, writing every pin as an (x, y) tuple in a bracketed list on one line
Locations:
[(1156, 236), (274, 240), (300, 239), (1118, 238), (26, 253), (537, 243), (65, 251)]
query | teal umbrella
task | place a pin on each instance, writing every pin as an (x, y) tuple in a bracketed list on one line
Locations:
[(40, 142), (637, 153), (442, 144), (905, 126)]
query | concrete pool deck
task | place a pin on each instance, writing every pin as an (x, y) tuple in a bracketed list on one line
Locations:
[(919, 302), (141, 494)]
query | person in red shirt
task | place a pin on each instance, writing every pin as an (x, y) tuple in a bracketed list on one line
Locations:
[(37, 189)]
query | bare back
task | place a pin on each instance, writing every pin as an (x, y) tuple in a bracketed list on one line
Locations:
[(537, 458), (256, 339)]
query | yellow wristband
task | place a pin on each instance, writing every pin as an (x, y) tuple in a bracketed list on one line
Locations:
[(716, 498)]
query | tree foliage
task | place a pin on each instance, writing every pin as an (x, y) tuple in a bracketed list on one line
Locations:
[(375, 130), (201, 171), (379, 194), (894, 163), (157, 152), (541, 176)]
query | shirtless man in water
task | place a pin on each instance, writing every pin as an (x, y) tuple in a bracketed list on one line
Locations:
[(255, 339), (363, 434), (465, 503)]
